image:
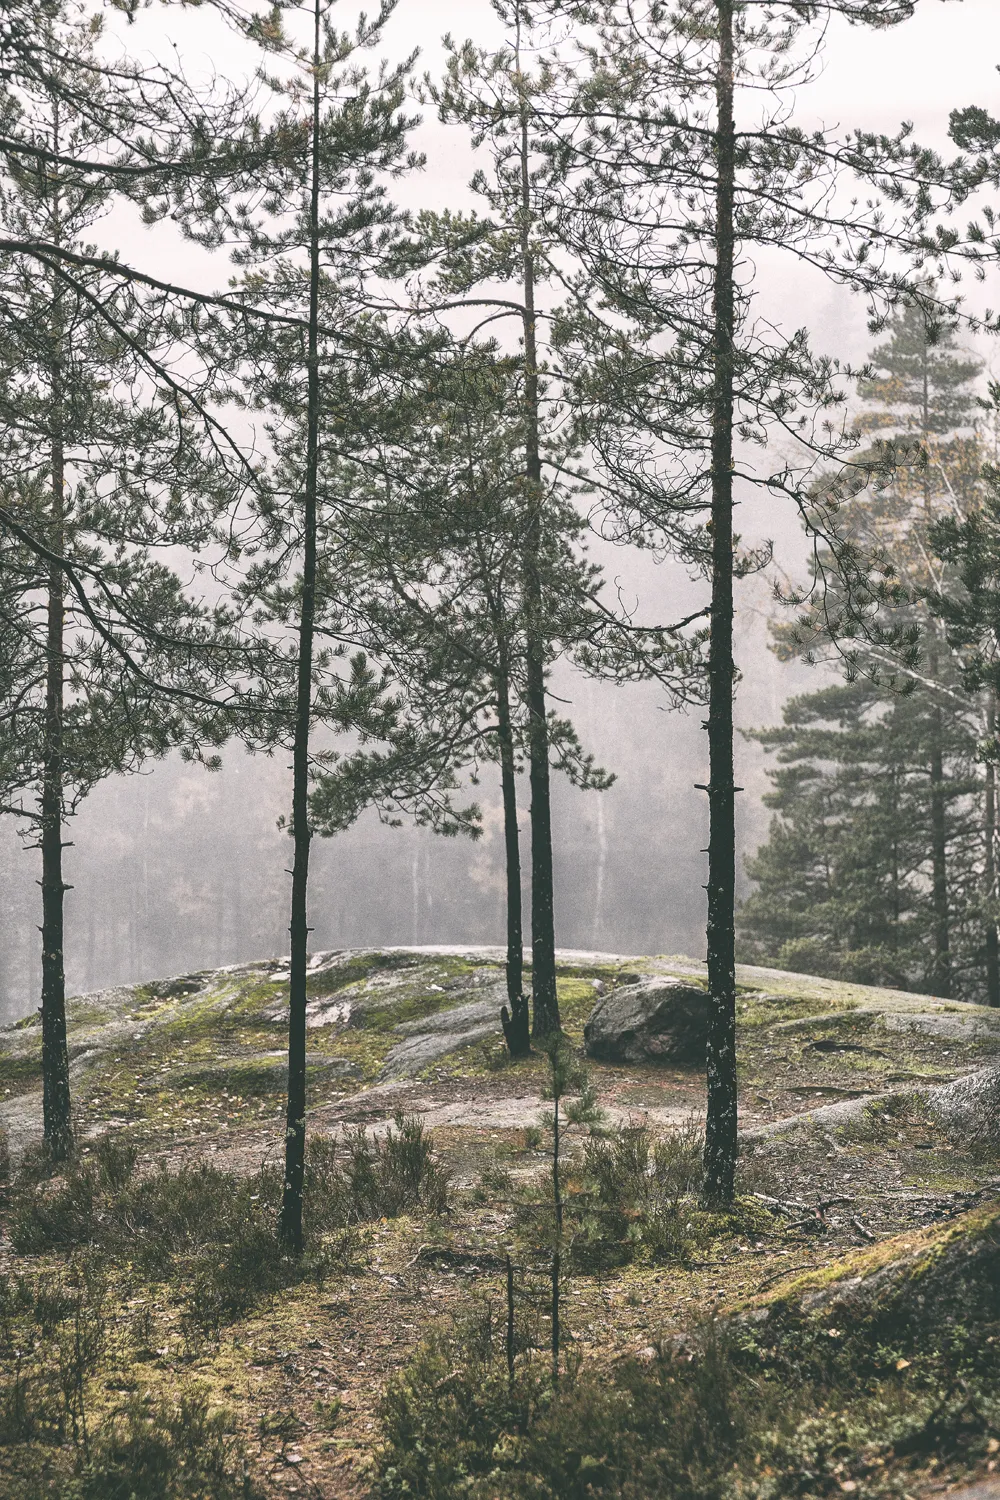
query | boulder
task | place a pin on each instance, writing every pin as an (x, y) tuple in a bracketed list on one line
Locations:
[(657, 1020), (969, 1108)]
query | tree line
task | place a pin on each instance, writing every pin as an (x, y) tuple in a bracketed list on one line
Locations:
[(339, 507), (881, 862)]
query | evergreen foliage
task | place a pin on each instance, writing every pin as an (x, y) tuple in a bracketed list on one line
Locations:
[(876, 868)]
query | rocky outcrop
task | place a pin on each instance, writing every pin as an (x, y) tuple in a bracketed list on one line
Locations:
[(905, 1290), (433, 1037), (657, 1020)]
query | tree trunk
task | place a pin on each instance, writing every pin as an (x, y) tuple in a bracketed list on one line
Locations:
[(557, 1246), (939, 864), (545, 1021), (941, 978), (56, 1113), (720, 1125), (290, 1223), (990, 871), (515, 1020), (57, 1122)]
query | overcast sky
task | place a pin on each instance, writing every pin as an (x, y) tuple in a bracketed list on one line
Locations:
[(629, 870)]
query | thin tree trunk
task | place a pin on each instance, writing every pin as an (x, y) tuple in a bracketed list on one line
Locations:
[(939, 863), (56, 1113), (941, 982), (557, 1247), (992, 944), (720, 1126), (894, 862), (545, 1020), (515, 1021), (56, 1105), (290, 1223)]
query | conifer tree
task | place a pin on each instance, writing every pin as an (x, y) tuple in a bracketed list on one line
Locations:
[(442, 529), (677, 129), (968, 613), (920, 404), (95, 475), (491, 94), (842, 886), (923, 386), (307, 355)]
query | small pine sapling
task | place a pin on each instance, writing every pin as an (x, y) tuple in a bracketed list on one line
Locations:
[(568, 1076)]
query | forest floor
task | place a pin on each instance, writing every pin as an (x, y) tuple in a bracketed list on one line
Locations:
[(189, 1073)]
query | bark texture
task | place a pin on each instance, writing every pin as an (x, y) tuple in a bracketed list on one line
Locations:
[(290, 1224), (720, 1125), (545, 1019), (990, 871), (515, 1020), (56, 1105)]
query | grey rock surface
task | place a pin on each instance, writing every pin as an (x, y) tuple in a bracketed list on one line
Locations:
[(970, 1106), (426, 1041), (657, 1020), (954, 1026)]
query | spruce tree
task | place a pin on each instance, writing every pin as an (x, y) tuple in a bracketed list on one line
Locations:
[(968, 615), (923, 386), (921, 406), (842, 886)]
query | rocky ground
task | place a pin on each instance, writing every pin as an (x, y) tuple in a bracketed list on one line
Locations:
[(850, 1137)]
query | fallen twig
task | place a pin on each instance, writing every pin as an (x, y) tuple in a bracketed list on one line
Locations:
[(867, 1234), (787, 1271), (813, 1220), (784, 1205)]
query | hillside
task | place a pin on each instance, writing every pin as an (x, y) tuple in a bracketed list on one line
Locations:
[(179, 1106)]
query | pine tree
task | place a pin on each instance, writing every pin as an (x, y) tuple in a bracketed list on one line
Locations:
[(491, 95), (96, 474), (444, 532), (307, 357), (673, 193)]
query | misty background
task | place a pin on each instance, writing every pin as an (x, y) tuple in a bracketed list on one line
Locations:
[(179, 869)]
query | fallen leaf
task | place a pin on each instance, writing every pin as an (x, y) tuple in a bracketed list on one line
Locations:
[(902, 1364)]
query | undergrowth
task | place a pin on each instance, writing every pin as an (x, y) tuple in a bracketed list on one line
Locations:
[(803, 1404), (119, 1259), (631, 1197)]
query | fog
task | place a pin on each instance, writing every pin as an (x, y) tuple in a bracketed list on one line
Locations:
[(179, 869)]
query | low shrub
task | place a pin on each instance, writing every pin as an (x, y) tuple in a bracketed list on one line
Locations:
[(216, 1230), (724, 1416), (639, 1198), (164, 1451), (366, 1177), (454, 1425)]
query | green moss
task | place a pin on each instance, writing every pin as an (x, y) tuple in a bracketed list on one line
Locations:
[(18, 1075), (577, 998), (922, 1246), (405, 1007), (356, 970), (755, 1010)]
